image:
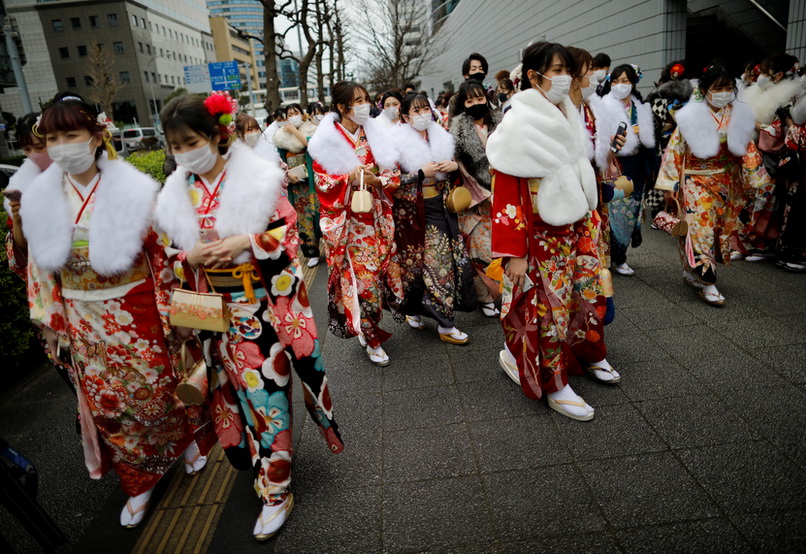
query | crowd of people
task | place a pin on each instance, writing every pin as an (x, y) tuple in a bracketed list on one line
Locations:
[(515, 199)]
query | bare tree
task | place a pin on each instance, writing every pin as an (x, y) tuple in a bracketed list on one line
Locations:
[(105, 81), (400, 46), (304, 19)]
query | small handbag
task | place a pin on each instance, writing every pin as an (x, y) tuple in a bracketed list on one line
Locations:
[(459, 199), (670, 223), (361, 202), (199, 310), (195, 386)]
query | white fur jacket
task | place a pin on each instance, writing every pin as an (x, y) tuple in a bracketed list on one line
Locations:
[(415, 152), (699, 128), (611, 112), (537, 140), (287, 141), (248, 199), (337, 156), (766, 102), (27, 172), (121, 216)]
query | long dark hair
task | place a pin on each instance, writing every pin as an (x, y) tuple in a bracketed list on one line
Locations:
[(25, 130), (417, 101), (69, 111), (471, 89), (342, 94), (538, 57), (632, 76)]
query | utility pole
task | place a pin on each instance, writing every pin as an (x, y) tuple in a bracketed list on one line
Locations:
[(16, 64), (249, 88)]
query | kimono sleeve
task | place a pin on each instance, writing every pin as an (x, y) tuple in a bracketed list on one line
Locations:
[(45, 300), (163, 260), (17, 258), (277, 247), (755, 178), (672, 163), (332, 189), (510, 232)]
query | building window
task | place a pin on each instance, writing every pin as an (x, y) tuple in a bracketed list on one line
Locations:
[(148, 48), (118, 47), (153, 77), (57, 25), (161, 52), (75, 22), (71, 82), (94, 23), (145, 74), (143, 22), (64, 53), (134, 21), (88, 80), (140, 45), (82, 50), (112, 19), (124, 77)]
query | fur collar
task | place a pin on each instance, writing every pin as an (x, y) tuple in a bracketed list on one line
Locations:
[(698, 128), (469, 149), (535, 139), (798, 111), (287, 141), (248, 199), (124, 203), (673, 90), (415, 151), (613, 112), (337, 156), (766, 102), (27, 172)]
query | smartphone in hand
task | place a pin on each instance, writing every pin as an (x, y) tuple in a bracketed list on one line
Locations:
[(622, 130), (14, 195)]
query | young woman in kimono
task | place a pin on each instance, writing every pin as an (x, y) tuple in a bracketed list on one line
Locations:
[(235, 231), (249, 131), (292, 140), (792, 246), (437, 275), (473, 121), (99, 284), (622, 103), (711, 164), (545, 189), (364, 274)]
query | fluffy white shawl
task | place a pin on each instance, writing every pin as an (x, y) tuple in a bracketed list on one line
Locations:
[(535, 139), (288, 141), (248, 199), (798, 111), (27, 172), (698, 128), (124, 203), (415, 152), (766, 102), (611, 112), (337, 155)]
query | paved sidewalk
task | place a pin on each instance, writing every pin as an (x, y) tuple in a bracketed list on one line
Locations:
[(700, 449)]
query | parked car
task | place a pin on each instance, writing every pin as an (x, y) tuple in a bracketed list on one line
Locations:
[(142, 138), (119, 144)]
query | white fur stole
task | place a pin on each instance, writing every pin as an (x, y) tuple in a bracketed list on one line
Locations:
[(766, 102), (27, 172), (537, 140), (699, 128), (124, 203), (612, 112), (288, 141), (415, 152), (248, 199), (337, 155)]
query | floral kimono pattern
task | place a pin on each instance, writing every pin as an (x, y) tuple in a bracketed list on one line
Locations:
[(553, 322), (364, 274), (713, 194), (122, 361), (271, 330), (303, 198)]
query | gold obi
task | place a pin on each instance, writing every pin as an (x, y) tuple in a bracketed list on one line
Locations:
[(534, 185), (432, 188), (244, 277), (78, 275), (711, 166)]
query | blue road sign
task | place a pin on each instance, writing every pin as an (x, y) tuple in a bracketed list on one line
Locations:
[(225, 76)]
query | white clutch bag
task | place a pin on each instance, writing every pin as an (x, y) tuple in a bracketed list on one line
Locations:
[(361, 202)]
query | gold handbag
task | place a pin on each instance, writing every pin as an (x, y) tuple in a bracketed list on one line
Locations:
[(195, 386), (361, 202), (199, 310), (459, 199)]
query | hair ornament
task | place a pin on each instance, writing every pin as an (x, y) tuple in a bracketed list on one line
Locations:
[(637, 71), (222, 106), (516, 74), (35, 127), (70, 98), (677, 71)]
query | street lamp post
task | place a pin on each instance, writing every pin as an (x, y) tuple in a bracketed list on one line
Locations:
[(156, 114)]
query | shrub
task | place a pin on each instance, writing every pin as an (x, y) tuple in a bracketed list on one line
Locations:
[(13, 160), (149, 163), (16, 329)]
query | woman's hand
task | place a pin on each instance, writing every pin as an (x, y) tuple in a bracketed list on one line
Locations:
[(221, 252), (621, 140), (196, 256), (352, 177), (16, 232), (372, 180), (448, 166), (516, 271), (429, 169), (293, 179)]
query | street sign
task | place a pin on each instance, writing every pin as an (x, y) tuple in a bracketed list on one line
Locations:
[(225, 76), (197, 78)]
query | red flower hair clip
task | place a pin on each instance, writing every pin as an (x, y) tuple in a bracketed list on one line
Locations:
[(222, 106), (677, 71)]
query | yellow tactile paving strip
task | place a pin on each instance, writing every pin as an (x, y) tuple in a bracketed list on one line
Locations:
[(187, 515)]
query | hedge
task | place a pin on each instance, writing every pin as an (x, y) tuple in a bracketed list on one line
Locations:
[(16, 330), (149, 163)]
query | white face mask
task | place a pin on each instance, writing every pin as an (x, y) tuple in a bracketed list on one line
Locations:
[(599, 75), (360, 113), (421, 121), (198, 161), (295, 120), (560, 87), (764, 82), (74, 158), (620, 92), (588, 91), (719, 99), (318, 117), (391, 113), (251, 139)]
